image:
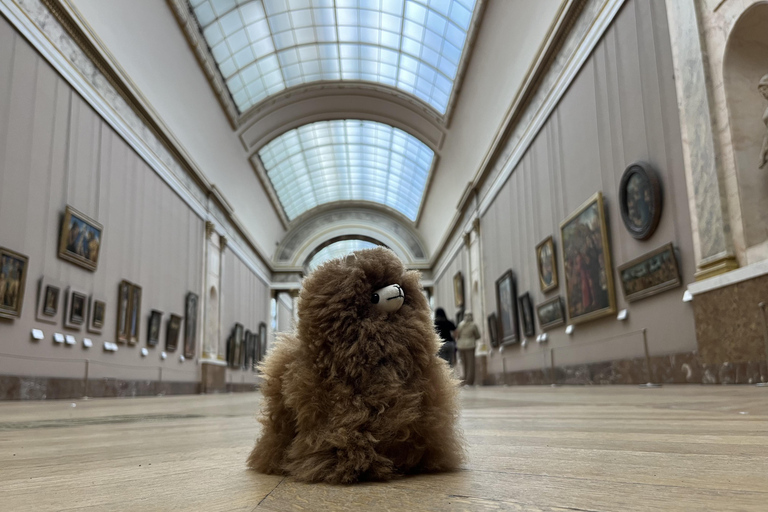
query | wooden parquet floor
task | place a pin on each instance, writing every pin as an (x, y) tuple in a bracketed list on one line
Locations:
[(685, 448)]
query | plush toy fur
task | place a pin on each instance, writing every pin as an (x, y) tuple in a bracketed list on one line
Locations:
[(355, 393)]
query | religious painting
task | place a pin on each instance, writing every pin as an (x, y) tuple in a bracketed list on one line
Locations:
[(97, 310), (135, 315), (153, 328), (172, 333), (190, 326), (80, 240), (493, 330), (48, 301), (526, 314), (587, 261), (75, 314), (13, 280), (123, 311), (640, 200), (545, 261), (458, 290), (651, 273), (506, 305), (551, 313)]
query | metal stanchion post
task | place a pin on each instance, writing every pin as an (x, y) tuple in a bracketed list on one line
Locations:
[(649, 373), (765, 338)]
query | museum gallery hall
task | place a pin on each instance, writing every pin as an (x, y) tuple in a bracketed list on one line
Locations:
[(384, 255)]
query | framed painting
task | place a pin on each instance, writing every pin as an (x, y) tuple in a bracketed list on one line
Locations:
[(506, 306), (493, 330), (80, 240), (545, 261), (237, 342), (134, 315), (587, 261), (248, 350), (190, 325), (526, 314), (13, 281), (123, 311), (650, 274), (261, 342), (458, 290), (75, 313), (49, 300), (640, 200), (172, 333), (97, 311), (153, 327), (551, 313)]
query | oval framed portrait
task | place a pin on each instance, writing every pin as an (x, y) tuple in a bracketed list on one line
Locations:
[(640, 200)]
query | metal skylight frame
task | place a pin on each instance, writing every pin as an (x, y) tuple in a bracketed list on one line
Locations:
[(347, 160), (338, 250), (262, 47)]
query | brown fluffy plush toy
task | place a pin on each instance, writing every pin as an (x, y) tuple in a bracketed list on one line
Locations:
[(357, 392)]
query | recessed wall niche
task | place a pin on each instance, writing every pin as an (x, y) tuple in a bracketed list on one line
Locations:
[(745, 64)]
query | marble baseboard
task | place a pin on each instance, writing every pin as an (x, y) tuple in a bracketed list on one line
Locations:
[(683, 368), (14, 387)]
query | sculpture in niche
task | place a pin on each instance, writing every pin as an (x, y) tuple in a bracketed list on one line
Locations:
[(762, 86)]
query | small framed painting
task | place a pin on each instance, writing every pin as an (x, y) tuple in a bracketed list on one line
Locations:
[(135, 315), (172, 333), (49, 299), (76, 309), (493, 330), (640, 200), (526, 312), (153, 328), (80, 240), (551, 313), (506, 305), (247, 350), (123, 311), (545, 261), (190, 326), (97, 310), (650, 274), (458, 290), (13, 280)]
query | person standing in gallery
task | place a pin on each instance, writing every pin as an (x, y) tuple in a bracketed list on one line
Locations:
[(445, 328), (467, 334)]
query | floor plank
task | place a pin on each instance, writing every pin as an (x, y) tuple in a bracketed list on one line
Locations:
[(529, 449)]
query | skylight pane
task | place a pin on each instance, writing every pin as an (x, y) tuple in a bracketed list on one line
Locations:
[(349, 160), (391, 42), (338, 250)]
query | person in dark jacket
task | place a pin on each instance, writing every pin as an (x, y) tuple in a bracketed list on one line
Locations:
[(445, 328)]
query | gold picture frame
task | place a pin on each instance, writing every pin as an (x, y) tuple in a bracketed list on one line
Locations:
[(650, 274), (123, 311), (586, 254), (13, 282), (547, 264), (80, 240)]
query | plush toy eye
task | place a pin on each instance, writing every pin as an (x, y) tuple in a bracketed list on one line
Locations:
[(375, 298)]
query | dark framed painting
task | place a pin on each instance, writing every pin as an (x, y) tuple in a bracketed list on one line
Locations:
[(13, 281), (247, 350), (134, 315), (76, 311), (650, 274), (545, 262), (123, 311), (526, 314), (640, 200), (235, 350), (172, 329), (458, 290), (153, 327), (493, 330), (590, 293), (262, 342), (506, 306), (190, 325), (49, 300), (551, 313), (80, 240), (97, 311)]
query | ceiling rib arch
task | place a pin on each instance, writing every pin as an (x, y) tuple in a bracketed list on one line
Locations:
[(338, 247)]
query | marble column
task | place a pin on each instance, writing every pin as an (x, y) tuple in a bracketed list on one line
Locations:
[(713, 243), (476, 299)]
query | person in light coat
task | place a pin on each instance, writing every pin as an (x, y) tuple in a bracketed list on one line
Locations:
[(467, 334)]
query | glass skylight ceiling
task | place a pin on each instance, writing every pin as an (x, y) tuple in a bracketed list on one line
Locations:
[(338, 250), (356, 160), (265, 46)]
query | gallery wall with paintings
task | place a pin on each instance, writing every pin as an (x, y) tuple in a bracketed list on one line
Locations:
[(100, 259), (451, 286), (581, 230)]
